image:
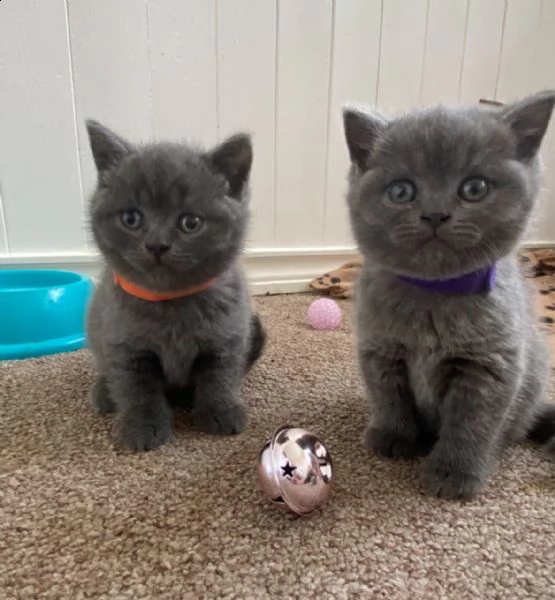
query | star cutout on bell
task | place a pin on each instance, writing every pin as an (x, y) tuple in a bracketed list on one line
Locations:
[(288, 470)]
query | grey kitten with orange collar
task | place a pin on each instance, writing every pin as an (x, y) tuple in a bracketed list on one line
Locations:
[(171, 319), (449, 349)]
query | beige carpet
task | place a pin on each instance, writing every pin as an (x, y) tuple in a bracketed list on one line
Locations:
[(79, 518)]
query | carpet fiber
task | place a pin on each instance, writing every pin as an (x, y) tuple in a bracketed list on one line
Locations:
[(80, 518)]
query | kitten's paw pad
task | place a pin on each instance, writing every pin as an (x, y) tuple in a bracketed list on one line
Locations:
[(450, 484), (101, 398), (391, 444), (144, 432), (230, 421)]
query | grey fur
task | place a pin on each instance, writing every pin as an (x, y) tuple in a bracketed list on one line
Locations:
[(148, 353), (451, 378)]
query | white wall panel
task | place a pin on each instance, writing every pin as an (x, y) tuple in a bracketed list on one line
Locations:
[(544, 57), (518, 73), (544, 226), (482, 50), (280, 69), (544, 78), (111, 72), (303, 73), (517, 67), (39, 174), (402, 53), (354, 78), (182, 43), (246, 96), (444, 51)]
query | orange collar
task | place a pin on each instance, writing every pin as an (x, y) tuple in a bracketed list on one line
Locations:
[(143, 294)]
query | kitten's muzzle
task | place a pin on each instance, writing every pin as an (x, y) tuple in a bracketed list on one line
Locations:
[(435, 219)]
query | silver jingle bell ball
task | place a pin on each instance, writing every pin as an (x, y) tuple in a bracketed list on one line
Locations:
[(295, 469)]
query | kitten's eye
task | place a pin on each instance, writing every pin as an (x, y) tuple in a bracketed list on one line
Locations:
[(474, 189), (402, 192), (190, 223), (131, 219)]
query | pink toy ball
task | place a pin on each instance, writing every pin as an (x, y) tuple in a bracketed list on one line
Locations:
[(324, 314)]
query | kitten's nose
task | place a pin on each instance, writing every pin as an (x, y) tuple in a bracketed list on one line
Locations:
[(435, 219), (157, 248)]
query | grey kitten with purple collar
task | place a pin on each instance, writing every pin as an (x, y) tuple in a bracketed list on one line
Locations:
[(171, 321), (449, 349)]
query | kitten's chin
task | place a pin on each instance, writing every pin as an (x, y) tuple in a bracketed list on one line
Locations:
[(433, 263), (159, 277)]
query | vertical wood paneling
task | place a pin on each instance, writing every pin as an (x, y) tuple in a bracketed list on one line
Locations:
[(517, 67), (39, 174), (544, 64), (483, 45), (280, 69), (246, 98), (544, 59), (402, 53), (182, 42), (446, 29), (544, 225), (304, 43), (355, 59), (544, 78), (111, 72)]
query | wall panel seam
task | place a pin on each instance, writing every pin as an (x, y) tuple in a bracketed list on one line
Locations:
[(329, 116), (500, 55), (76, 124), (463, 60), (276, 112)]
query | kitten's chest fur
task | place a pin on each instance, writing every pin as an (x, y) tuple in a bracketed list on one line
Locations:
[(176, 332), (428, 330)]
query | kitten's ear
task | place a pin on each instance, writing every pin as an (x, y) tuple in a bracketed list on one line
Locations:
[(233, 160), (361, 130), (108, 149), (528, 120)]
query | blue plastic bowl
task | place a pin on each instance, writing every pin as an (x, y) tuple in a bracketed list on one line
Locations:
[(42, 312)]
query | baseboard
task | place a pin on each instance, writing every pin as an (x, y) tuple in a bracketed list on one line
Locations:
[(539, 245), (269, 270)]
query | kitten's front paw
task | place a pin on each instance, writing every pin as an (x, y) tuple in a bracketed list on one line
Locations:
[(230, 420), (443, 481), (391, 444), (101, 398), (145, 430)]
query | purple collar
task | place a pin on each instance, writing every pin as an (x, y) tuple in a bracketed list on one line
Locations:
[(478, 282)]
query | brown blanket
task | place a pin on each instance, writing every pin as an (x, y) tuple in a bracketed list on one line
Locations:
[(339, 282)]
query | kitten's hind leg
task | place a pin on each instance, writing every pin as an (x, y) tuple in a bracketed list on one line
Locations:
[(543, 428), (100, 396), (257, 340)]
